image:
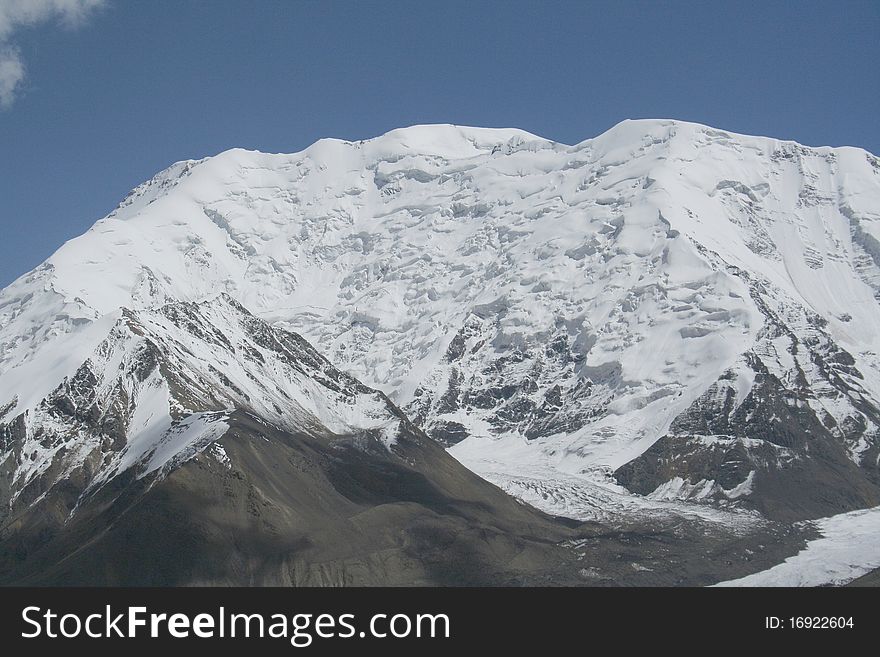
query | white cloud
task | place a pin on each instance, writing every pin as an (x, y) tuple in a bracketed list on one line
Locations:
[(11, 75), (17, 14)]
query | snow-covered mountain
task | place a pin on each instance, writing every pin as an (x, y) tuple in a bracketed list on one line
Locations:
[(196, 444), (159, 387), (666, 309)]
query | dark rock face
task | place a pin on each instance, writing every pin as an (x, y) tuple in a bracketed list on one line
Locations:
[(449, 433), (536, 390), (803, 447)]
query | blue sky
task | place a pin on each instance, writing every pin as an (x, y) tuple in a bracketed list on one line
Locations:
[(98, 99)]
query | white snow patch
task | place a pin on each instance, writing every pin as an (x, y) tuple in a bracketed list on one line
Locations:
[(388, 434), (680, 489), (219, 452), (743, 489), (849, 548), (185, 439)]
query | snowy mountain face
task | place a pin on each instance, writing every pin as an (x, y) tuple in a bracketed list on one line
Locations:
[(196, 444), (667, 310), (159, 388)]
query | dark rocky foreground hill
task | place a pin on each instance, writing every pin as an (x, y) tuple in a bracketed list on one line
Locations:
[(294, 510)]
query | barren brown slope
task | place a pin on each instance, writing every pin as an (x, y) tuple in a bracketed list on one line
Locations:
[(293, 510)]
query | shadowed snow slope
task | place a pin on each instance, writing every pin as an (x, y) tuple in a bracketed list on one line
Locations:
[(688, 311)]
